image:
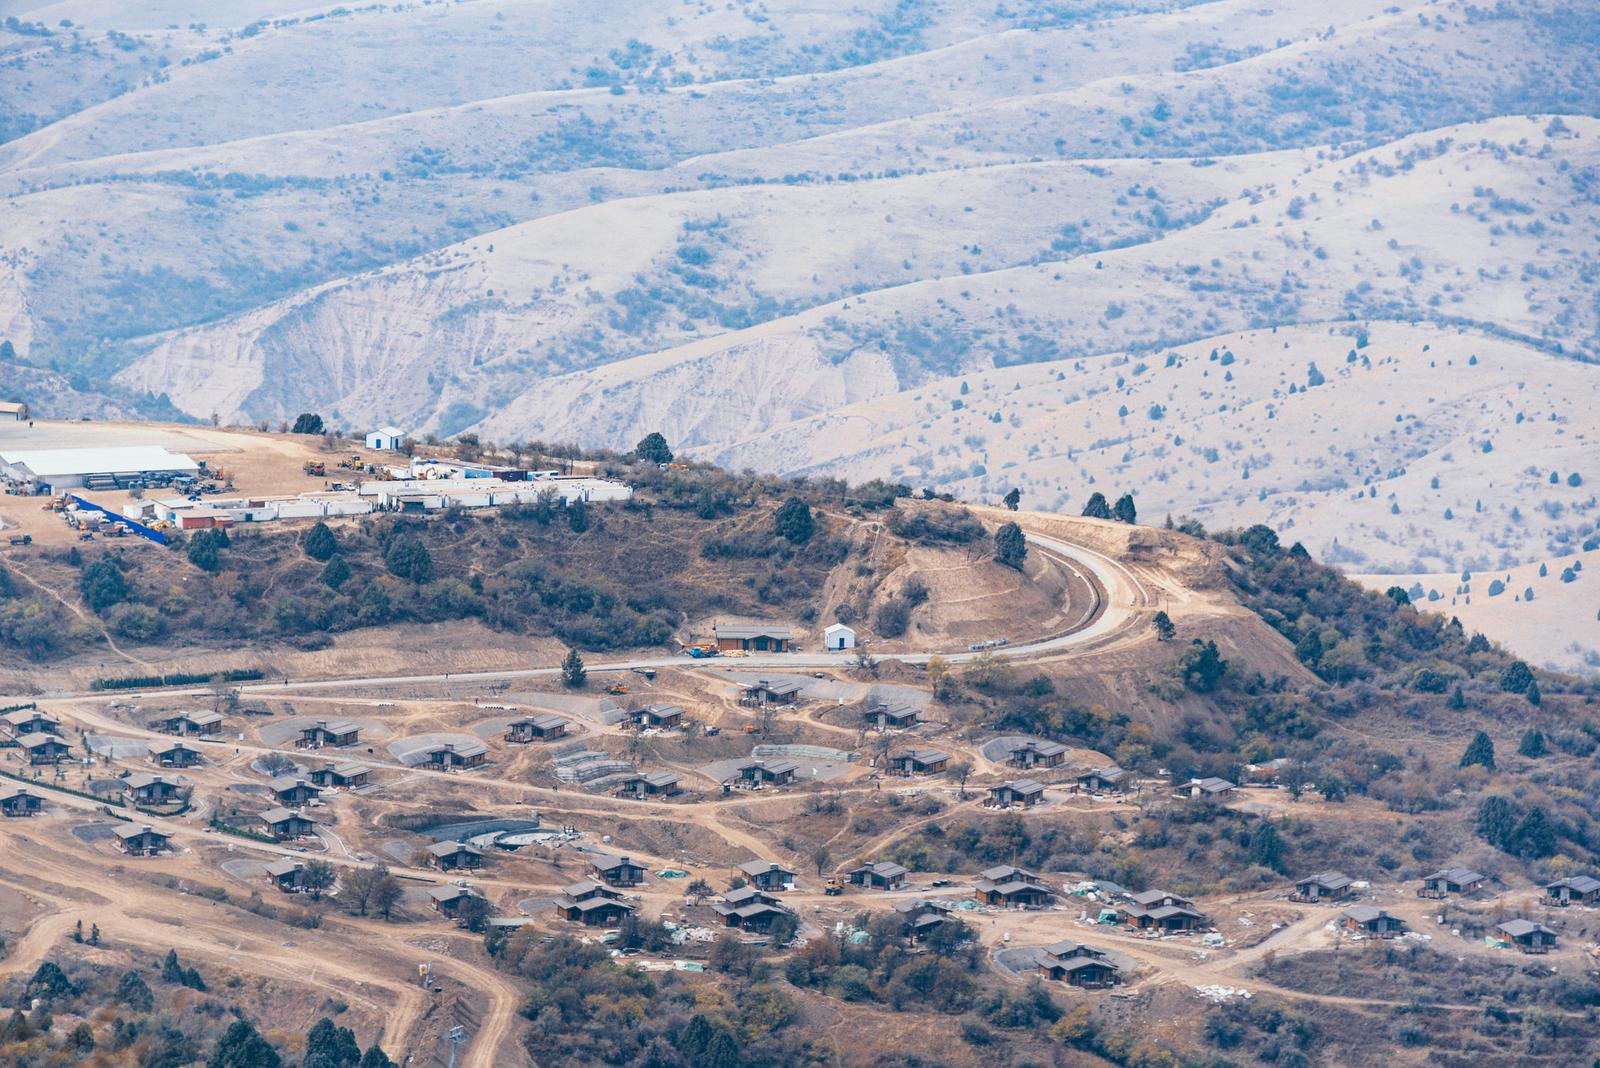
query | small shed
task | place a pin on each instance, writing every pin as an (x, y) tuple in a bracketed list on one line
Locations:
[(838, 638), (386, 439)]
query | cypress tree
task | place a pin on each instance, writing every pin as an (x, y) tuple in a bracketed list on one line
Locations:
[(1479, 751)]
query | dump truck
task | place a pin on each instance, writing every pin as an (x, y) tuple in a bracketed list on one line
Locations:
[(315, 468), (701, 650)]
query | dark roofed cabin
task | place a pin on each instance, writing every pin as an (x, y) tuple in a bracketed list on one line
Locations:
[(336, 734), (653, 784), (1037, 754), (44, 748), (284, 825), (30, 721), (920, 762), (293, 791), (1527, 936), (446, 899), (772, 772), (1451, 881), (594, 911), (535, 729), (616, 871), (149, 789), (1573, 890), (144, 841), (767, 874), (347, 776), (1091, 973), (762, 693), (880, 876), (1323, 887), (661, 717), (450, 755), (174, 755), (451, 856), (1107, 780), (1373, 922), (287, 875), (20, 802), (892, 717), (1024, 793), (201, 724)]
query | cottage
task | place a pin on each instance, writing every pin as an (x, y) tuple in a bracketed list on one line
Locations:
[(147, 789), (836, 638), (1573, 890), (287, 875), (1372, 922), (752, 638), (1527, 936), (346, 776), (290, 790), (1160, 910), (535, 729), (446, 900), (1107, 780), (586, 889), (1036, 754), (457, 755), (661, 717), (767, 875), (336, 733), (763, 693), (749, 908), (1011, 887), (892, 717), (1019, 793), (43, 748), (920, 917), (452, 856), (881, 875), (21, 802), (30, 721), (201, 724), (616, 871), (1211, 787), (284, 825), (651, 784), (386, 439), (919, 762), (174, 755), (140, 840), (770, 772), (593, 911), (1077, 965), (1451, 881), (1323, 887)]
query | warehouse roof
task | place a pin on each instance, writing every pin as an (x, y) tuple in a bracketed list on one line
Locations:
[(127, 459)]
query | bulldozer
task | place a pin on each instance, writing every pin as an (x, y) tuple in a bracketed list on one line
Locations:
[(315, 468)]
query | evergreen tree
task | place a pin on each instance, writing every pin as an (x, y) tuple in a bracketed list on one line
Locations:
[(1165, 629), (330, 1046), (241, 1046), (1479, 751), (1012, 499), (793, 521), (1123, 511), (573, 674), (319, 542), (1458, 700), (134, 992), (82, 1038), (1010, 546), (376, 1058), (652, 448), (578, 516), (103, 585), (307, 423), (1516, 678), (1535, 836), (1097, 508), (336, 574), (1496, 820), (1532, 693), (1532, 744), (408, 558), (49, 981), (1266, 848)]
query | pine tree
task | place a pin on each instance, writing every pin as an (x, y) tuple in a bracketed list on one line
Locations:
[(1165, 629), (1516, 678), (793, 521), (1458, 699), (336, 574), (652, 448), (1479, 751), (376, 1058), (319, 542), (1497, 819), (1097, 508), (573, 674), (134, 992), (1123, 511), (1535, 837), (1532, 693), (1012, 499), (1010, 546), (1266, 848)]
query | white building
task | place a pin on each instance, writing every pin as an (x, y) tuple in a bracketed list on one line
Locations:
[(60, 469), (386, 439), (839, 638), (13, 410)]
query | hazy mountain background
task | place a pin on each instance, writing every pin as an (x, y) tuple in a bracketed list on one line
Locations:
[(1332, 266)]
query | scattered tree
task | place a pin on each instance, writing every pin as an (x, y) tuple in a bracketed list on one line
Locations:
[(1123, 511), (1479, 751), (793, 521), (319, 542), (573, 674), (1010, 546), (652, 448), (307, 423), (1164, 627), (1012, 499), (1097, 508)]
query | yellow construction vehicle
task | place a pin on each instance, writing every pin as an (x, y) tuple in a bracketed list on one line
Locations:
[(616, 689), (833, 887), (315, 468)]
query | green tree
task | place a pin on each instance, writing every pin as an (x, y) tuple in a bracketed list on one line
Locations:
[(330, 1046), (319, 542), (578, 516), (1535, 837), (793, 521), (49, 981), (1201, 666), (1398, 595), (1532, 693), (241, 1046), (1479, 751), (317, 878), (1516, 678), (473, 914), (573, 674), (1010, 546), (1496, 821), (307, 423), (1012, 499), (205, 549), (134, 992), (1123, 511), (1266, 848), (1164, 627), (336, 574), (652, 448), (1532, 744), (102, 584), (408, 558), (1097, 508), (375, 1058)]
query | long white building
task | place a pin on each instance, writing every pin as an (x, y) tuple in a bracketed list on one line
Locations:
[(58, 469)]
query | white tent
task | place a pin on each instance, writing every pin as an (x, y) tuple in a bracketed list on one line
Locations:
[(839, 637)]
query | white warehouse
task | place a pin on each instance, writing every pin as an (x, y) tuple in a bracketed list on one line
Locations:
[(100, 468)]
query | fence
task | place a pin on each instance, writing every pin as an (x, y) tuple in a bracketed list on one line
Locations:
[(132, 524)]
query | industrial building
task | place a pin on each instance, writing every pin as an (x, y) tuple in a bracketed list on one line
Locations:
[(53, 470)]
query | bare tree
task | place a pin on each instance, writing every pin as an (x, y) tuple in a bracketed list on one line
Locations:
[(959, 770)]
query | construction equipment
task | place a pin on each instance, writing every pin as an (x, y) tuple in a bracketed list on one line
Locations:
[(700, 650), (751, 728), (616, 689), (315, 468), (833, 887), (648, 673), (22, 539)]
